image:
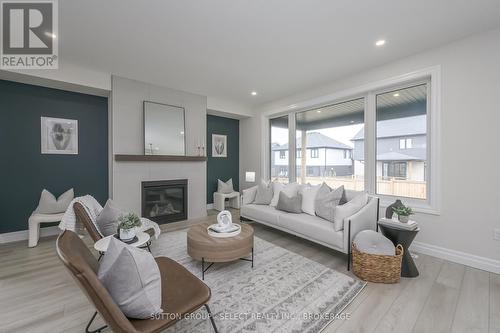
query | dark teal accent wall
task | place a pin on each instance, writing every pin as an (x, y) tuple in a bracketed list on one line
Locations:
[(220, 167), (24, 171)]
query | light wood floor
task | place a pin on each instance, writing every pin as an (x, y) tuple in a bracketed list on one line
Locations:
[(38, 295)]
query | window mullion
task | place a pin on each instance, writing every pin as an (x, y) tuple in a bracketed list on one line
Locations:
[(292, 168), (370, 144)]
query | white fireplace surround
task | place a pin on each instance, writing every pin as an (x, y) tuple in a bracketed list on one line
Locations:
[(126, 119)]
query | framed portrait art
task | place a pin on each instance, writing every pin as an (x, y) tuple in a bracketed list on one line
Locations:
[(59, 136)]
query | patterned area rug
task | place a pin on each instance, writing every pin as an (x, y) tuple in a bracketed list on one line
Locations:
[(284, 292)]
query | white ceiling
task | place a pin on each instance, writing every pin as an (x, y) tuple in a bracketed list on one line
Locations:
[(227, 48)]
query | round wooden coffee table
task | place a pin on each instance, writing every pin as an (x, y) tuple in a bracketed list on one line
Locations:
[(208, 249)]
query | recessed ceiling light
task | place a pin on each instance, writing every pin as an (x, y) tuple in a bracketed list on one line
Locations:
[(254, 93), (293, 106), (352, 122), (380, 42), (396, 95), (319, 111)]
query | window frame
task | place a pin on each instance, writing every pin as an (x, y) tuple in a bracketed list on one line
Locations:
[(314, 152), (430, 76), (282, 154)]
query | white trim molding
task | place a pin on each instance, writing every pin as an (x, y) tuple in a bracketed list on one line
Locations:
[(467, 259), (22, 235), (210, 206)]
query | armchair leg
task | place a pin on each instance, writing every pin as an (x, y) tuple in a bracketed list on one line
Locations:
[(211, 318), (90, 323)]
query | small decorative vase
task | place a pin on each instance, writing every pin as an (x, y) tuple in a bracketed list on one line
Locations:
[(127, 234), (403, 219)]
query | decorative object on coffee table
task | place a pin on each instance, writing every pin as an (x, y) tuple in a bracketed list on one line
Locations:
[(405, 238), (209, 250)]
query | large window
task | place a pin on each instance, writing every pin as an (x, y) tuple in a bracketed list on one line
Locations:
[(279, 149), (329, 152), (379, 141), (402, 142)]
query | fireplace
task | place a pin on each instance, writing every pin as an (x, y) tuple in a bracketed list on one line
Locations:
[(165, 201)]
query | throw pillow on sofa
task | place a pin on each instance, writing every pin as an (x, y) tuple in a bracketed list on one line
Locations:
[(326, 203), (290, 190), (132, 278), (308, 198), (225, 187), (48, 203), (348, 209), (264, 193), (290, 204), (107, 220)]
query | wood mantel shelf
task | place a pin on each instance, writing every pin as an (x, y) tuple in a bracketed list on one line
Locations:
[(158, 158)]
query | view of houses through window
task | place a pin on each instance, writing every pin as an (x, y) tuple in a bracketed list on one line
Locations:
[(330, 144), (402, 142), (279, 158)]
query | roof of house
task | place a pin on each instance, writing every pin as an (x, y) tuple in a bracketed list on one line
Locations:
[(315, 140), (415, 125)]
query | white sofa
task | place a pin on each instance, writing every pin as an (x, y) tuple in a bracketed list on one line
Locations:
[(310, 227)]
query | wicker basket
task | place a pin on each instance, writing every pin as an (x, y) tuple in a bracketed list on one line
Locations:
[(377, 268)]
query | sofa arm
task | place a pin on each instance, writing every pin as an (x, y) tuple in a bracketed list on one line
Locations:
[(364, 219), (248, 195)]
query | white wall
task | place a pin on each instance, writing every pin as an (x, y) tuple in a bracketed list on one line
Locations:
[(470, 116), (127, 138)]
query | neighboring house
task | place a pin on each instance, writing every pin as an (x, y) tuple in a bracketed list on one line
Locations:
[(401, 149), (324, 157)]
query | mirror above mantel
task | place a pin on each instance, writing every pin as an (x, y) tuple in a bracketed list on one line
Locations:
[(164, 129)]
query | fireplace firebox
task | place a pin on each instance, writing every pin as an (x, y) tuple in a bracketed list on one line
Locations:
[(165, 201)]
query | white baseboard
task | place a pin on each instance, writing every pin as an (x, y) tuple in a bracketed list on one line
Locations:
[(23, 234), (210, 206), (486, 264)]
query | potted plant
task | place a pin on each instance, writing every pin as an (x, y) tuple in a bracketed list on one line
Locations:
[(404, 213), (127, 224)]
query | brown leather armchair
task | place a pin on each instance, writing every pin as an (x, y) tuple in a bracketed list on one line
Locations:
[(182, 292)]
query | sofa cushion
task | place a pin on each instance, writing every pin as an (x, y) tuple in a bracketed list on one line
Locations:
[(326, 203), (312, 227), (340, 213), (264, 193), (308, 198), (261, 213), (290, 190), (248, 195), (290, 204)]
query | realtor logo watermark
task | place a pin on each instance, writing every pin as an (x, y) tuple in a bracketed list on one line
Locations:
[(29, 35)]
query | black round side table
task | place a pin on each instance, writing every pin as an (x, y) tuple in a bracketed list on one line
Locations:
[(403, 237)]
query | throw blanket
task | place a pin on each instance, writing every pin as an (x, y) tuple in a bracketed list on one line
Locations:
[(93, 209)]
